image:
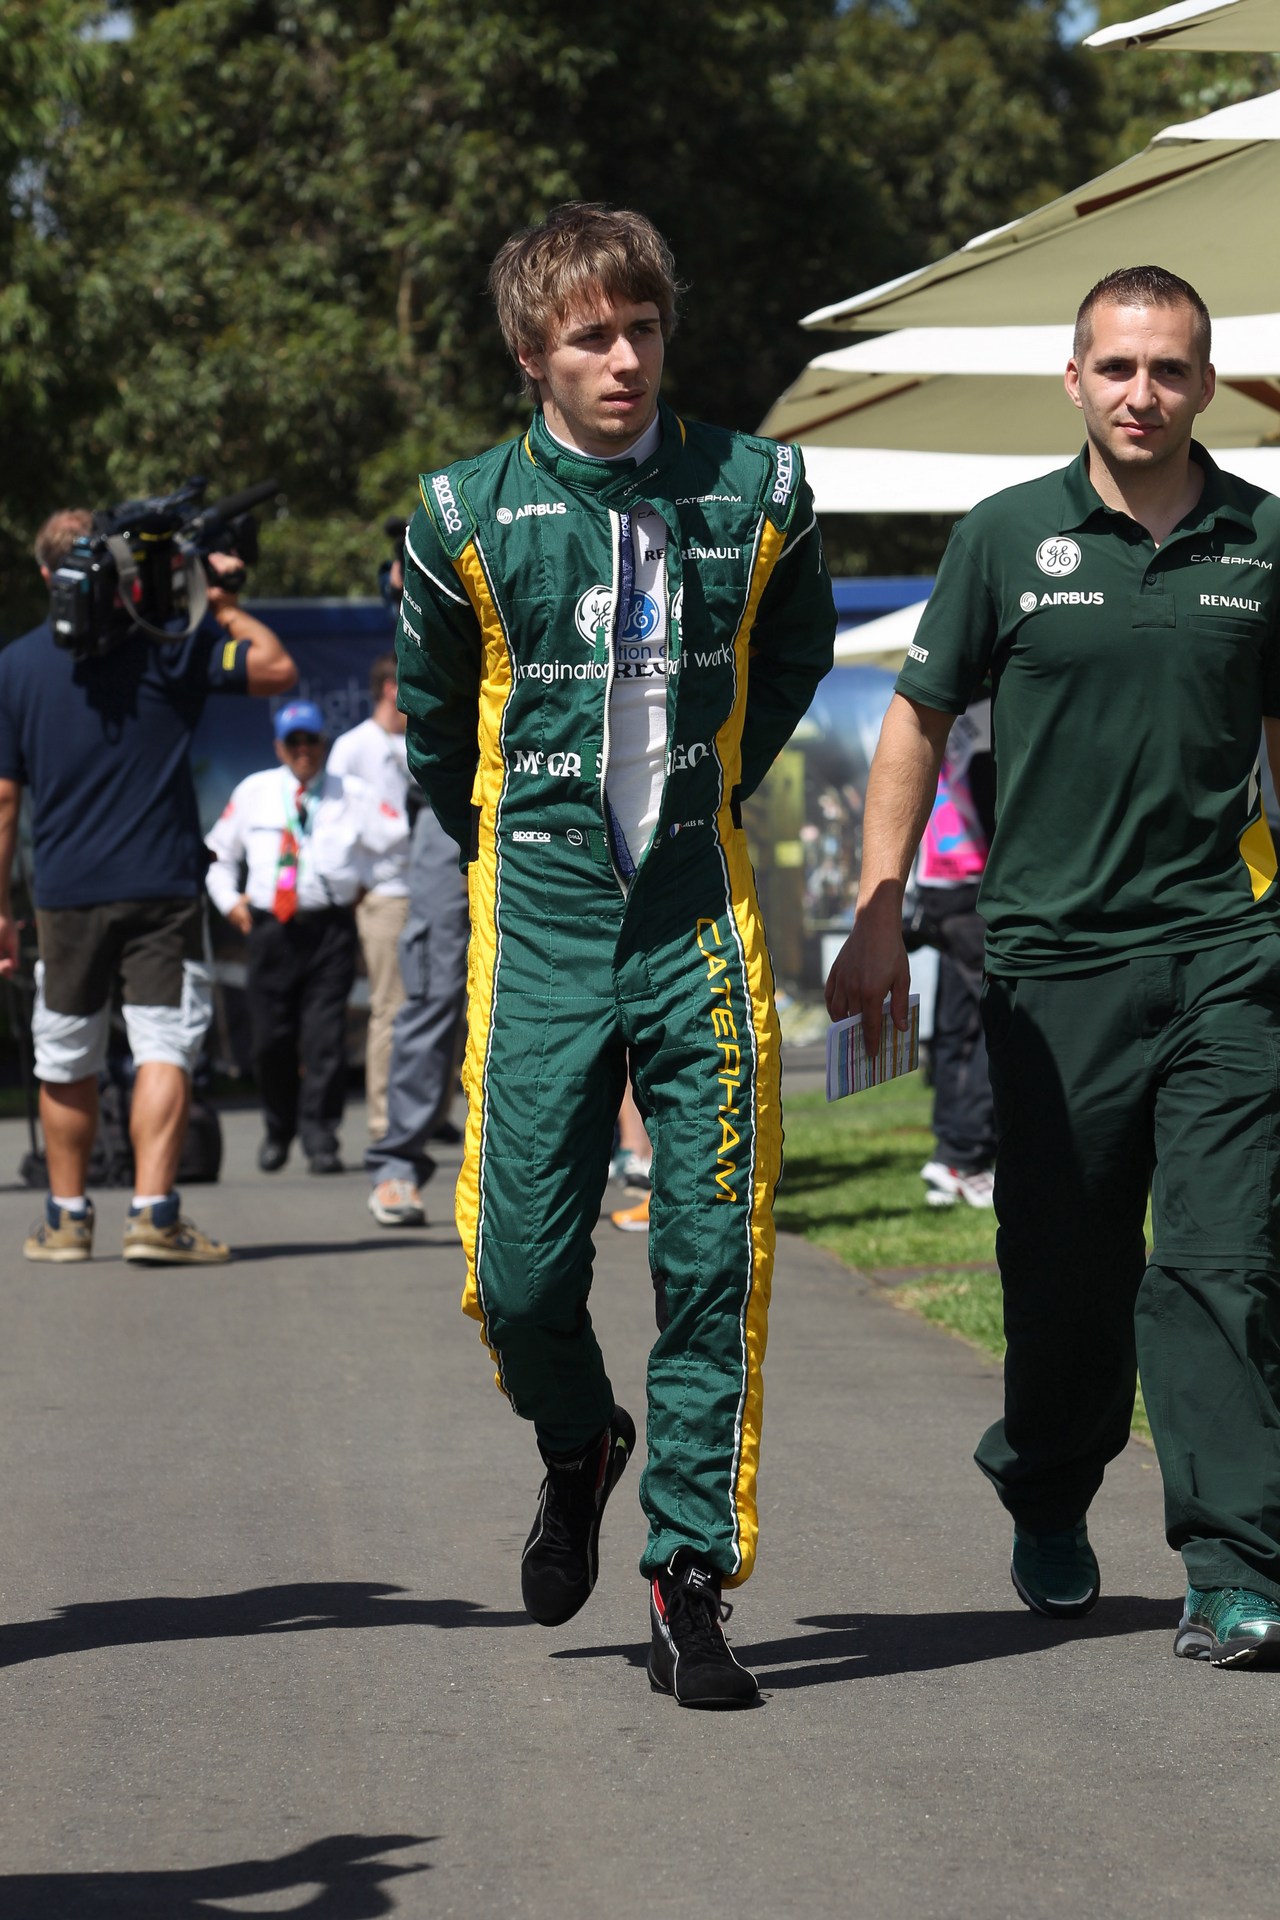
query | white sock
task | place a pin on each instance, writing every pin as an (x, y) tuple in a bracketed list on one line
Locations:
[(80, 1203), (141, 1200)]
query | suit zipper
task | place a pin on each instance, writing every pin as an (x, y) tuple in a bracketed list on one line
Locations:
[(615, 530)]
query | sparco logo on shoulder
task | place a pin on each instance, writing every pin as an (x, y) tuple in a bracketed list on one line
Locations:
[(785, 477), (1058, 556), (447, 504)]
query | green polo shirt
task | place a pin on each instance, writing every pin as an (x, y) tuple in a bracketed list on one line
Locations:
[(1130, 683)]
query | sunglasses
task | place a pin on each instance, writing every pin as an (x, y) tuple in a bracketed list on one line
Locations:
[(302, 740)]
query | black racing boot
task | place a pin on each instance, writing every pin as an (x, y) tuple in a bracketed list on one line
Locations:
[(562, 1554), (690, 1656)]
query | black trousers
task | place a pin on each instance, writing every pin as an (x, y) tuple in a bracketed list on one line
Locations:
[(1156, 1074), (299, 976), (964, 1121)]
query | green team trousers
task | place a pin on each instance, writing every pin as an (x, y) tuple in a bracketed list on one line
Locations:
[(566, 987), (1159, 1074)]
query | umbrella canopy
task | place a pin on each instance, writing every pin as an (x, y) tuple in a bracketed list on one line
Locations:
[(1199, 200), (999, 390), (1201, 26), (891, 633), (889, 480)]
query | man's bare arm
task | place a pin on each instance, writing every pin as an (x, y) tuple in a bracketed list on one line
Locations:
[(268, 668), (900, 793), (10, 809)]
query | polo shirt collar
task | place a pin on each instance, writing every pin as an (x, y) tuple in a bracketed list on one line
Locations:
[(1081, 499)]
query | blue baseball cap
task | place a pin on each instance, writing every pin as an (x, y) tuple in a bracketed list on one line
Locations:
[(299, 716)]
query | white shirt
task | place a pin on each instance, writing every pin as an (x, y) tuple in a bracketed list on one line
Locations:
[(638, 698), (380, 760), (346, 826)]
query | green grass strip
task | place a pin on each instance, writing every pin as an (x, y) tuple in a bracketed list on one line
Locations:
[(852, 1184)]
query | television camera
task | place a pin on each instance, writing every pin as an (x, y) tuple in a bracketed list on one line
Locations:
[(395, 528), (144, 566)]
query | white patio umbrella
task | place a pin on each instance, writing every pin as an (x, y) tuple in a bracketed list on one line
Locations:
[(999, 390), (891, 633), (1200, 26), (1200, 200), (889, 480)]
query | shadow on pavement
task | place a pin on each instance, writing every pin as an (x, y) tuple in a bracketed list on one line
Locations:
[(299, 1608), (342, 1878), (866, 1646), (295, 1249)]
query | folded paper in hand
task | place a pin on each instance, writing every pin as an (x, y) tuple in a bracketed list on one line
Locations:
[(850, 1070)]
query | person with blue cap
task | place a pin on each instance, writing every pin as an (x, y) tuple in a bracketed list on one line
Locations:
[(307, 838)]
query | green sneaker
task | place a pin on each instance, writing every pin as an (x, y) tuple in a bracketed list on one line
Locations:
[(1229, 1627), (1056, 1573)]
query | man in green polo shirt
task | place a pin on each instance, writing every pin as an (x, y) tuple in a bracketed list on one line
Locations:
[(1127, 610)]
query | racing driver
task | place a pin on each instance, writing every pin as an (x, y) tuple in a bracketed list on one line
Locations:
[(610, 627)]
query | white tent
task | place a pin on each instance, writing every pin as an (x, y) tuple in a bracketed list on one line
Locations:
[(1200, 200), (1201, 26), (889, 480), (891, 633), (999, 390)]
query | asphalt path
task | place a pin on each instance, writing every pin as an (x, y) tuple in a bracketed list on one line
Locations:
[(262, 1647)]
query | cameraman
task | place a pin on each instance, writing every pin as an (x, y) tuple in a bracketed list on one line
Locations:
[(103, 744)]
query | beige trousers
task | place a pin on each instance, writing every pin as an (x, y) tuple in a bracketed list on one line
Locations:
[(380, 918)]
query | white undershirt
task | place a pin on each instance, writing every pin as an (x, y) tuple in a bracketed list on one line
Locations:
[(638, 700), (379, 759)]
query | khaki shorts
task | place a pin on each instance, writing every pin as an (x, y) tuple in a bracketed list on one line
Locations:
[(154, 949)]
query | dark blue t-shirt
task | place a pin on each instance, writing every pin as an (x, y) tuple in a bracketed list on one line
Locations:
[(104, 748)]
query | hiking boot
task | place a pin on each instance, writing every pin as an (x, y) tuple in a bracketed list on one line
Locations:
[(60, 1236), (944, 1185), (1056, 1573), (325, 1160), (1229, 1627), (397, 1203), (562, 1554), (159, 1236), (689, 1655), (632, 1219)]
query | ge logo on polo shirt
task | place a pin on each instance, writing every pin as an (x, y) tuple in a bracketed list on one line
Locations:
[(1058, 556)]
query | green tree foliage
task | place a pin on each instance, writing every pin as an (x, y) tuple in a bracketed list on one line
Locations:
[(47, 66), (252, 236), (1136, 91), (967, 115)]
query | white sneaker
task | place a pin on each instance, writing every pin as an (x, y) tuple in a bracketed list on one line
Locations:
[(397, 1203), (944, 1185), (630, 1170)]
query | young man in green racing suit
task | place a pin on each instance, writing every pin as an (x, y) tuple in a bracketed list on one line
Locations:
[(610, 627)]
